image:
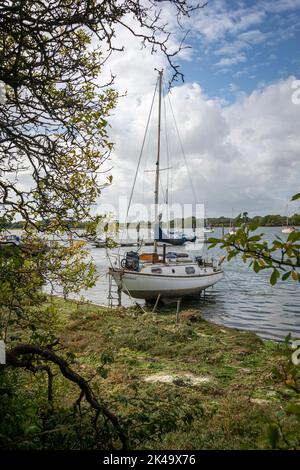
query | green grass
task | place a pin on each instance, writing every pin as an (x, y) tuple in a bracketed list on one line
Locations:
[(192, 385), (231, 409)]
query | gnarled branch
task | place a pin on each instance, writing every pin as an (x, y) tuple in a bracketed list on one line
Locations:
[(28, 353)]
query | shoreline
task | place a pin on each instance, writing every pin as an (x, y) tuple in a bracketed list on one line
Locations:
[(191, 306)]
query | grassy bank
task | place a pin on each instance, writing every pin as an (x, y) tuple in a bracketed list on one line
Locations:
[(194, 385)]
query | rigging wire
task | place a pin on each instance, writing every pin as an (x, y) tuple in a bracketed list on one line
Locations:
[(167, 200), (147, 146), (142, 149), (164, 194), (184, 156), (167, 142)]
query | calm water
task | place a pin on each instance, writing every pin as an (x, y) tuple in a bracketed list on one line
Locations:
[(242, 299)]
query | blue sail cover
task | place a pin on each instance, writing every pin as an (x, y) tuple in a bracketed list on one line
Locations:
[(161, 236)]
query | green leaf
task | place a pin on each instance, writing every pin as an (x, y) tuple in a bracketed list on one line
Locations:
[(286, 275), (256, 266), (214, 240), (277, 244), (296, 196), (253, 226), (293, 236), (275, 275), (255, 238), (231, 255)]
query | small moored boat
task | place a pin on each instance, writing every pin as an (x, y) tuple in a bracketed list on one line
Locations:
[(149, 275)]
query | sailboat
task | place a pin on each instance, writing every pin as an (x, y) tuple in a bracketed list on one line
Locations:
[(232, 228), (288, 228), (152, 276), (207, 228)]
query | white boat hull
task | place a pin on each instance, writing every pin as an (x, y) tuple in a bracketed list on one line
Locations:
[(148, 286), (288, 229)]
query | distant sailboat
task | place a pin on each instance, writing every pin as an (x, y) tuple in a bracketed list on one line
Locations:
[(288, 228), (208, 228), (232, 228)]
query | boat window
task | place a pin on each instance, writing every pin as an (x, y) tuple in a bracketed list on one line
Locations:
[(156, 270), (190, 270)]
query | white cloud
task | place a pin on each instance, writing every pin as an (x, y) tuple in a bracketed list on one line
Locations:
[(233, 52), (244, 155), (229, 28), (227, 61), (219, 18), (280, 6)]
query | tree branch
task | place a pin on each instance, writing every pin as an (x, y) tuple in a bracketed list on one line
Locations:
[(31, 352)]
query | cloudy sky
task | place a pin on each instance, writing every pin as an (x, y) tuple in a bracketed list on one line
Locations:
[(235, 112)]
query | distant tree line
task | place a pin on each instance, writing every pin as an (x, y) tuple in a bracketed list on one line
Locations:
[(20, 224), (270, 220)]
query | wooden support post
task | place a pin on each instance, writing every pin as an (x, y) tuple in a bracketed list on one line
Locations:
[(119, 296), (109, 297), (156, 303), (178, 310)]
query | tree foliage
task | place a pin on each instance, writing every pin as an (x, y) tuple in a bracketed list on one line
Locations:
[(30, 326), (54, 122), (53, 140), (280, 256)]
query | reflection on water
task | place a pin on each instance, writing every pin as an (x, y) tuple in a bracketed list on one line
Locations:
[(242, 299)]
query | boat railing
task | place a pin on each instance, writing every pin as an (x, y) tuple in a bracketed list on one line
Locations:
[(115, 259)]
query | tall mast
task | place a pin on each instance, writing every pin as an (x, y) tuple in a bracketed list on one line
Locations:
[(160, 74)]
